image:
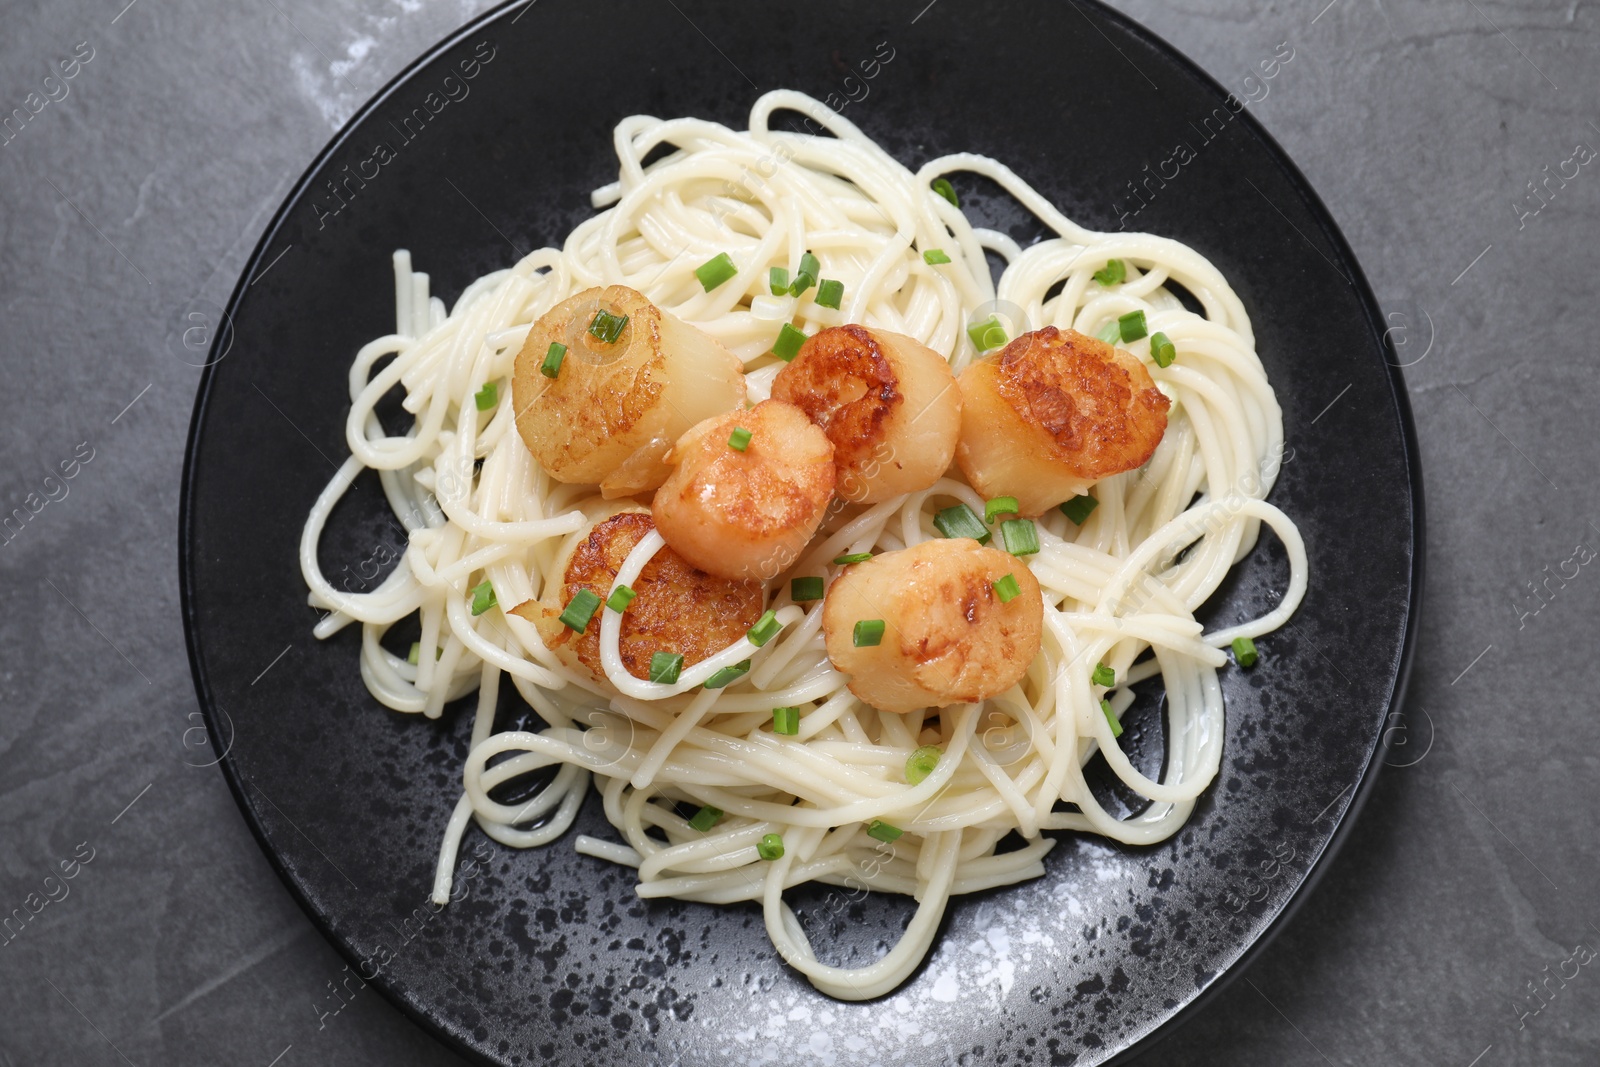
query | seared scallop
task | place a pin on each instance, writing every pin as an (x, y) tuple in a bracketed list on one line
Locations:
[(1052, 413), (747, 490), (678, 608), (924, 626), (888, 403), (606, 411)]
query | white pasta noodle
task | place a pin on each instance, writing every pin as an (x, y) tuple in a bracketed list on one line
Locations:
[(479, 509)]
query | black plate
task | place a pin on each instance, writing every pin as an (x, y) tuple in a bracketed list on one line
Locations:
[(550, 958)]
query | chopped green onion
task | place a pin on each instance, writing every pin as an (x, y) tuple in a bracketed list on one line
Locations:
[(943, 187), (786, 721), (1110, 333), (1162, 349), (705, 818), (882, 831), (716, 270), (552, 359), (607, 327), (961, 521), (488, 396), (665, 667), (778, 281), (770, 847), (867, 632), (482, 598), (1111, 717), (728, 674), (580, 609), (1132, 326), (1103, 675), (829, 293), (921, 763), (1007, 589), (620, 598), (1112, 273), (1079, 508), (806, 276), (1000, 505), (987, 334), (1244, 650), (802, 589), (852, 557), (739, 439), (787, 346), (1021, 537), (765, 629), (935, 256), (415, 653)]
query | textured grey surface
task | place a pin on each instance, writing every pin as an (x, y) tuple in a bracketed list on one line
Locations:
[(135, 198)]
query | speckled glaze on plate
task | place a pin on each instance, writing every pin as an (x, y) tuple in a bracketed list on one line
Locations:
[(548, 957)]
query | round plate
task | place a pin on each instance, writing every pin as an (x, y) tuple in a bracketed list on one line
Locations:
[(487, 148)]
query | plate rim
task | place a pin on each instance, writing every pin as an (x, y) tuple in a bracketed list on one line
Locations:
[(1398, 395)]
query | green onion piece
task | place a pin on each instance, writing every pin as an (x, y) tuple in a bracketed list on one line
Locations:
[(1000, 505), (882, 831), (803, 589), (921, 763), (806, 276), (787, 346), (1244, 650), (665, 667), (770, 847), (487, 397), (765, 629), (739, 439), (987, 334), (1162, 349), (867, 633), (580, 609), (778, 281), (607, 327), (1132, 326), (1007, 589), (1111, 717), (705, 818), (1021, 537), (935, 256), (728, 674), (552, 359), (1103, 675), (786, 721), (943, 187), (716, 270), (416, 651), (1113, 272), (829, 293), (1110, 333), (961, 521), (620, 598), (852, 557), (1079, 508), (482, 598)]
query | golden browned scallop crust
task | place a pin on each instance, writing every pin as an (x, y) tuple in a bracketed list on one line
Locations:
[(612, 411), (678, 607), (746, 514), (1097, 403), (948, 638), (888, 403), (845, 384)]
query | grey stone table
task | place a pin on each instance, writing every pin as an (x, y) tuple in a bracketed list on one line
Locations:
[(1445, 137)]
